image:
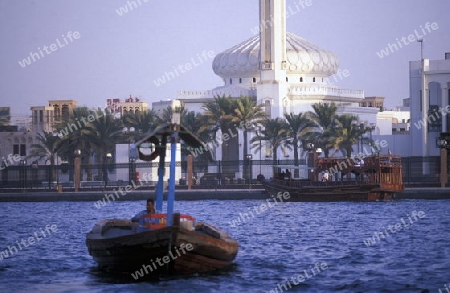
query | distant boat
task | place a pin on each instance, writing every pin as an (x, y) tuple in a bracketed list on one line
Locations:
[(183, 248), (379, 178), (177, 244)]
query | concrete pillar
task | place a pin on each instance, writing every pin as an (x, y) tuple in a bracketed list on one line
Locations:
[(425, 107), (77, 174), (444, 103), (190, 159), (443, 167)]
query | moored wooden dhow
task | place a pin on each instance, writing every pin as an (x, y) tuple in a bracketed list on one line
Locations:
[(378, 178)]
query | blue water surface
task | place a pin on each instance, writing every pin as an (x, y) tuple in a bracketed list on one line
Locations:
[(276, 245)]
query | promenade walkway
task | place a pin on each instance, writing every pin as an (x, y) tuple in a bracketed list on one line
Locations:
[(431, 193)]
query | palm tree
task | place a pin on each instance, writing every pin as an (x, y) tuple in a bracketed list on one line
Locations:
[(143, 122), (323, 115), (348, 133), (194, 122), (297, 126), (218, 116), (46, 148), (104, 133), (168, 113), (275, 133), (73, 132), (247, 115)]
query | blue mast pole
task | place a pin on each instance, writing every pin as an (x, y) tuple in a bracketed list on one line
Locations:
[(171, 193), (160, 185)]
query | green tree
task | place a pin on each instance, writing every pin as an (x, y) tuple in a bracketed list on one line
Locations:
[(142, 122), (348, 133), (274, 133), (46, 148), (297, 125), (73, 132), (103, 133), (247, 115), (218, 115), (323, 116), (168, 113)]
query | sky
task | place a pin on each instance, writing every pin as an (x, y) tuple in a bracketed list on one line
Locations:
[(95, 51)]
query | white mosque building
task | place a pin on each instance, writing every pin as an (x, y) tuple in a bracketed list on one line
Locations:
[(282, 71)]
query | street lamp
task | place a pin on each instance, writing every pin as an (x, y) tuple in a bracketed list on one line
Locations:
[(23, 172), (309, 148), (132, 154), (108, 157), (260, 149), (249, 157), (421, 47), (319, 151), (49, 172), (77, 171), (372, 128), (443, 142)]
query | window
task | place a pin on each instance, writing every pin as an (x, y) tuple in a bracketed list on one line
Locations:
[(267, 107), (20, 149), (254, 79), (301, 79), (314, 79), (434, 119), (420, 100), (240, 80), (231, 81), (65, 111), (287, 79), (41, 116)]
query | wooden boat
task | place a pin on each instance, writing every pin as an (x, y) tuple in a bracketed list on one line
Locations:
[(183, 248), (379, 178), (163, 247)]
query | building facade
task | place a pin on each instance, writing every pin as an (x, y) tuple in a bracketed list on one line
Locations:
[(429, 93)]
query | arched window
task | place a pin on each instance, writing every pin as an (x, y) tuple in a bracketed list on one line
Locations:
[(267, 107), (65, 111)]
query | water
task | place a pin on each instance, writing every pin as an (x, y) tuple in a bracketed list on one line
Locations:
[(276, 245)]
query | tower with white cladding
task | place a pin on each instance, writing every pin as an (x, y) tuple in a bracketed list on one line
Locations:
[(272, 87)]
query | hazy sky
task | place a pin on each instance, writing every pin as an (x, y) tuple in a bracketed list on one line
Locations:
[(113, 56)]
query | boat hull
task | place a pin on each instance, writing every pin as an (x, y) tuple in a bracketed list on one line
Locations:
[(327, 192), (169, 250)]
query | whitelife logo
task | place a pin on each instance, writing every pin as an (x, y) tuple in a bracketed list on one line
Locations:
[(49, 49), (391, 48), (183, 68)]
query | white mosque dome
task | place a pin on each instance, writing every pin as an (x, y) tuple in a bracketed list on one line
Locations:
[(302, 57)]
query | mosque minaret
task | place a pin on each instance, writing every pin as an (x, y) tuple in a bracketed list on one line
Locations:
[(272, 85)]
